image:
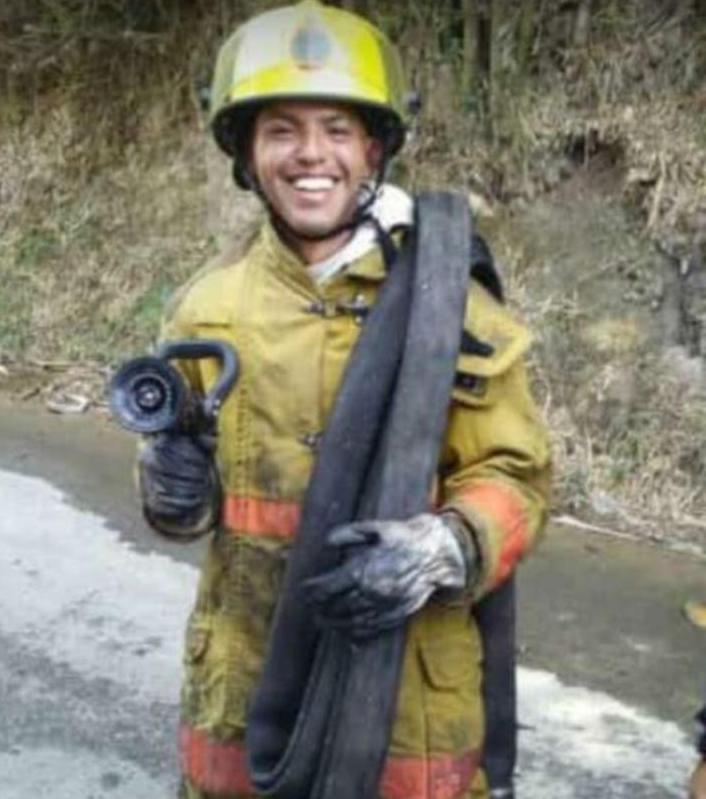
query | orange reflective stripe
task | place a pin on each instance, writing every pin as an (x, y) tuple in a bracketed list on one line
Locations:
[(213, 766), (255, 516), (507, 510), (441, 777), (221, 768)]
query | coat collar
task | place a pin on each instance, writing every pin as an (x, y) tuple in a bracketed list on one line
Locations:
[(283, 260)]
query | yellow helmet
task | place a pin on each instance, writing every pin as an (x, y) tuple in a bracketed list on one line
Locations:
[(307, 51)]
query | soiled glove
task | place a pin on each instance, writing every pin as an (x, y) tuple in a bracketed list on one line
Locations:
[(389, 570), (179, 484)]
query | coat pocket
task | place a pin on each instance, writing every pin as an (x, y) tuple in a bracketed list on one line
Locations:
[(450, 662), (447, 655)]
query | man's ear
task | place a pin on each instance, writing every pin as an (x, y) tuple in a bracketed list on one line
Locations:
[(246, 168), (243, 176), (374, 154), (246, 154)]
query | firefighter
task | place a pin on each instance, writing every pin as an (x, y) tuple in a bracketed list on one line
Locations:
[(309, 103)]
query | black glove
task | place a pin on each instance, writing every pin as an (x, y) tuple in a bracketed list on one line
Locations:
[(389, 571), (179, 483)]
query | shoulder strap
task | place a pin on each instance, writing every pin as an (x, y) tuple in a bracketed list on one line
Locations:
[(484, 268), (496, 613)]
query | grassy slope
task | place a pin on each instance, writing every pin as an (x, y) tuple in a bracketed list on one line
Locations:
[(101, 217)]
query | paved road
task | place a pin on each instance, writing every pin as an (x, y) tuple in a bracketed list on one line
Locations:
[(93, 607)]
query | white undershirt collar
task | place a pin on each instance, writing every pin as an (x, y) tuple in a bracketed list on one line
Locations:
[(393, 208)]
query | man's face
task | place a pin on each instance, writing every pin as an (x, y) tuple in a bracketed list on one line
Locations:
[(310, 159)]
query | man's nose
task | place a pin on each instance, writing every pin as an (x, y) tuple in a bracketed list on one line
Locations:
[(311, 146)]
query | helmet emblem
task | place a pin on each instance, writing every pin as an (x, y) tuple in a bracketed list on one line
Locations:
[(311, 46)]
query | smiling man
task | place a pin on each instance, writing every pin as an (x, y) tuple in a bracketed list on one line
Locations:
[(310, 161), (380, 467)]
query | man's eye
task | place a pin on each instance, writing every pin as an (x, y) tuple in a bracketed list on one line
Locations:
[(279, 131), (339, 131)]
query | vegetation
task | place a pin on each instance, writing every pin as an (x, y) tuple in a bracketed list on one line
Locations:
[(578, 126)]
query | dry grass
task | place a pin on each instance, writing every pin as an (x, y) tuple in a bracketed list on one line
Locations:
[(88, 264), (626, 422)]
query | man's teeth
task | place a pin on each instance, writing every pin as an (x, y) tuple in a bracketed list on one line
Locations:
[(313, 184)]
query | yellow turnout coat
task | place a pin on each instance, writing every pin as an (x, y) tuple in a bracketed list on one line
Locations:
[(294, 338)]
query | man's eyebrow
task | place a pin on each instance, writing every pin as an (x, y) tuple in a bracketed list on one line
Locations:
[(278, 116), (286, 116), (338, 116)]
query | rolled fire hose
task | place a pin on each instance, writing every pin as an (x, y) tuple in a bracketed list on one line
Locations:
[(322, 714)]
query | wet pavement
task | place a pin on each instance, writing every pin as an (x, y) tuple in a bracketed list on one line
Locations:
[(93, 609)]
